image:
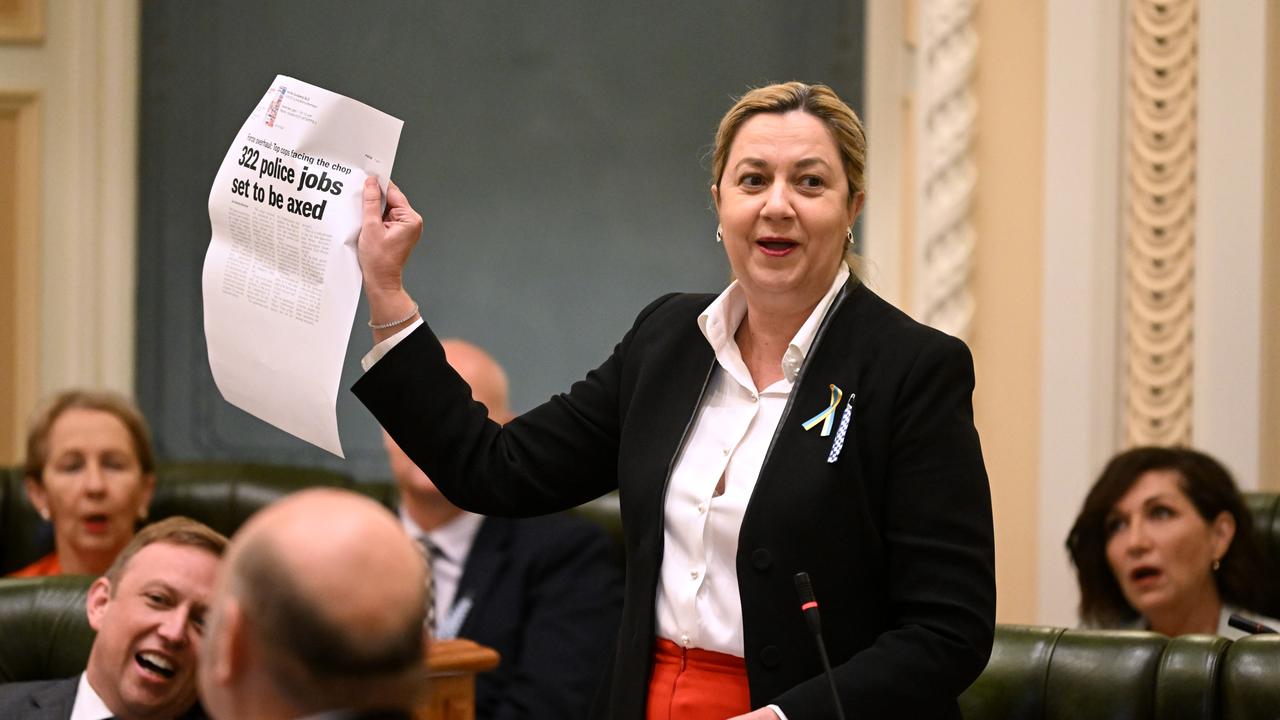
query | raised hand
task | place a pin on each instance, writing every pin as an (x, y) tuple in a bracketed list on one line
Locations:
[(386, 240)]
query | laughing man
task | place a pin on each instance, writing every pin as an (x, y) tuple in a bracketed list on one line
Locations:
[(148, 610)]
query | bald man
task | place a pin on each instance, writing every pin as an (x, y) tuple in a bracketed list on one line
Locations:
[(544, 592), (305, 621)]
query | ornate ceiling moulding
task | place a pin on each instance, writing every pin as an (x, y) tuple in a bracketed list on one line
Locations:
[(1160, 217)]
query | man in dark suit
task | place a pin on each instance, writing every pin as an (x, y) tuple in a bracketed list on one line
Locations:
[(318, 611), (544, 592), (148, 610)]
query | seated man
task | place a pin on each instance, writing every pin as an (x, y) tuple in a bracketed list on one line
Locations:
[(319, 608), (544, 592), (148, 610)]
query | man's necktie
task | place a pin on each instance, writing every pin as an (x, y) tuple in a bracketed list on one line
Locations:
[(430, 551)]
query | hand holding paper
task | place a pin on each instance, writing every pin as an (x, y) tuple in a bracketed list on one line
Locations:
[(386, 240)]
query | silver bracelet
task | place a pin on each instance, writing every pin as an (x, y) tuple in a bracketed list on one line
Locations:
[(393, 323)]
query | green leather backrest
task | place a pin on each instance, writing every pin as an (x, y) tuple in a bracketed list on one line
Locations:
[(1050, 673), (223, 495), (1014, 683), (24, 537), (1189, 676), (44, 632), (1251, 679), (1265, 508), (1095, 675), (1055, 674)]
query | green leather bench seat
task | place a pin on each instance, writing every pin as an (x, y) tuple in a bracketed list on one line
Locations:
[(1056, 674), (44, 631), (1251, 679), (224, 495), (1265, 509), (1190, 674)]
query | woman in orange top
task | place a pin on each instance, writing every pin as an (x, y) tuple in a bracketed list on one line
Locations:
[(90, 471)]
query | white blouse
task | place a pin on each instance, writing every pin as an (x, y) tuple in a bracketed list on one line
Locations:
[(697, 603)]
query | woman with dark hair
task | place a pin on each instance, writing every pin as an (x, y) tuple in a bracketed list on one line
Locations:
[(1164, 542)]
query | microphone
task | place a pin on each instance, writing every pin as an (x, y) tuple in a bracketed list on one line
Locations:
[(1243, 623), (809, 606)]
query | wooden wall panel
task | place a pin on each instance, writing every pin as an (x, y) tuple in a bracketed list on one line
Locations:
[(21, 21), (19, 266)]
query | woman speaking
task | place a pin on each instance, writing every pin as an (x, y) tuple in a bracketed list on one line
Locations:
[(794, 423)]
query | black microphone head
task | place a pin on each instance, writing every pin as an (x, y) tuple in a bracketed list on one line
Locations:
[(804, 587), (1242, 623)]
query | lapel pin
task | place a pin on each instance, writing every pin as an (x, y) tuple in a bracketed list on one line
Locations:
[(827, 416), (838, 443)]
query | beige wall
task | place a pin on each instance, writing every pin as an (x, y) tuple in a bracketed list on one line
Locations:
[(1006, 283), (71, 92), (1007, 219), (1270, 461)]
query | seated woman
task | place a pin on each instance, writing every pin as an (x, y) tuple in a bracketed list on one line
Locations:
[(1164, 542), (89, 471)]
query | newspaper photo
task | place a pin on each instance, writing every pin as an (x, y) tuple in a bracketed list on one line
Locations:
[(281, 279)]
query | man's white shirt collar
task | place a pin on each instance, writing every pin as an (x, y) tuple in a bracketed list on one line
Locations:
[(88, 705), (720, 321), (453, 539)]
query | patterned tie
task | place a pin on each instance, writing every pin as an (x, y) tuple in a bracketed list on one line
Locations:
[(430, 551)]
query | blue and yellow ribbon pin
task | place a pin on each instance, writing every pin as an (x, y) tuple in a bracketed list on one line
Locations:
[(826, 417)]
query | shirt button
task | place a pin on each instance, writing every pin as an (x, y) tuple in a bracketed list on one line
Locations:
[(702, 507), (726, 452), (755, 398), (693, 574), (684, 640)]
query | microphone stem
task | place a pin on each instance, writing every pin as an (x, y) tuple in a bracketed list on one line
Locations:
[(826, 668)]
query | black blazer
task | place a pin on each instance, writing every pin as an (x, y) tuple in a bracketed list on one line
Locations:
[(896, 534), (546, 593)]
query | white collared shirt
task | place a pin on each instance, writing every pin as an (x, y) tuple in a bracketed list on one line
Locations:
[(454, 540), (698, 605), (88, 705)]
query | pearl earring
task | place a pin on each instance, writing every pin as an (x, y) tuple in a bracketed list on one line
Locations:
[(719, 234), (1217, 564), (848, 235)]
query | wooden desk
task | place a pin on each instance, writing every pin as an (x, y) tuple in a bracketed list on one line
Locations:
[(453, 665)]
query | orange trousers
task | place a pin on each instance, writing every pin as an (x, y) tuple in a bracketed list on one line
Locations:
[(693, 684)]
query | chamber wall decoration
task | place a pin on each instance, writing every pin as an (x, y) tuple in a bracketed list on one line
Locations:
[(946, 174), (1159, 258)]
